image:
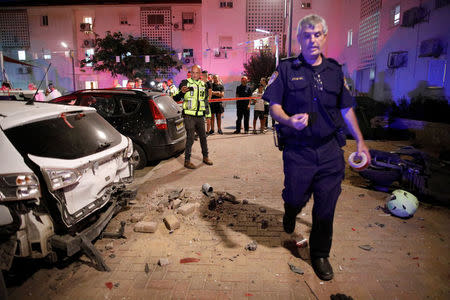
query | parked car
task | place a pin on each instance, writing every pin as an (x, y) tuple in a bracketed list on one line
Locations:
[(63, 172), (152, 120)]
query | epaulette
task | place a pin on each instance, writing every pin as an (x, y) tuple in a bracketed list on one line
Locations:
[(288, 58)]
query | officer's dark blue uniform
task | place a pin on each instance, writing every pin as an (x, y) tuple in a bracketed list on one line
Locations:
[(313, 159)]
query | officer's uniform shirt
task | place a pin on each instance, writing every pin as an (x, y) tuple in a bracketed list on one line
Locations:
[(298, 86)]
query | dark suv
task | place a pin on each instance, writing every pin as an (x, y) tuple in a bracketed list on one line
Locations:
[(152, 120)]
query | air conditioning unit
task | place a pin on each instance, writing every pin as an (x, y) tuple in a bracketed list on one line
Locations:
[(414, 15), (89, 43), (188, 26), (24, 70), (431, 47), (85, 27), (397, 59)]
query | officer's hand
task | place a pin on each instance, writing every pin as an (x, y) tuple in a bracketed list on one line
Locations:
[(184, 89), (361, 147), (299, 121)]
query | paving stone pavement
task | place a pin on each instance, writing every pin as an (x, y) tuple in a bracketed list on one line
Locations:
[(409, 258)]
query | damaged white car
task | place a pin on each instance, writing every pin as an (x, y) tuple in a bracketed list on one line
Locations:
[(63, 171)]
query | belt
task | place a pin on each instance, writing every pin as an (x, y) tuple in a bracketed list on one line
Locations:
[(311, 142)]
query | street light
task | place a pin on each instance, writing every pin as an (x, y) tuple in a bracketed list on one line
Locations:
[(71, 52), (276, 43)]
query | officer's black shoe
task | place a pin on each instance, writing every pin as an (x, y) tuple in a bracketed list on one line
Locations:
[(322, 267), (236, 132)]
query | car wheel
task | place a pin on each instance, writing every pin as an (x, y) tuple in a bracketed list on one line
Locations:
[(139, 157)]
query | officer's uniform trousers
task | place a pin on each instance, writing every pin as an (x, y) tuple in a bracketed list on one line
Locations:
[(315, 169)]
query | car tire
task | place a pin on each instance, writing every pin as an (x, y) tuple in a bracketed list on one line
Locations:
[(139, 157)]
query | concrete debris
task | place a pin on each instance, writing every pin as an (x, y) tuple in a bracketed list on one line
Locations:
[(245, 201), (112, 255), (379, 224), (251, 246), (225, 196), (175, 193), (172, 222), (296, 269), (160, 208), (163, 262), (117, 284), (236, 177), (132, 202), (136, 217), (212, 204), (147, 268), (146, 227), (109, 246), (186, 209), (176, 203), (262, 209), (366, 247)]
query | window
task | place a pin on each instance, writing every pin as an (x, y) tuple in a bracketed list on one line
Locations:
[(188, 18), (89, 53), (441, 3), (226, 4), (123, 20), (47, 54), (349, 37), (90, 84), (306, 4), (261, 43), (130, 105), (226, 42), (395, 16), (21, 54), (155, 19), (88, 20), (188, 53), (44, 20)]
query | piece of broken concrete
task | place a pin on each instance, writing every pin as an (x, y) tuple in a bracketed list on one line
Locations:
[(225, 196), (146, 227), (176, 203), (109, 246), (136, 217), (186, 209), (163, 262), (366, 247), (251, 246), (171, 222)]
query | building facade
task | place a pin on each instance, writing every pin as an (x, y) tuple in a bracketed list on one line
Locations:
[(390, 49)]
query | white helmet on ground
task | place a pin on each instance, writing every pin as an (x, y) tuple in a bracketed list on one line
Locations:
[(402, 204)]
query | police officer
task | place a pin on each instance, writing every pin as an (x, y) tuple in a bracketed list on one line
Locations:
[(309, 99), (194, 95)]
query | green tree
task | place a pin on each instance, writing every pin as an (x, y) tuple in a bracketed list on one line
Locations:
[(261, 64), (132, 52)]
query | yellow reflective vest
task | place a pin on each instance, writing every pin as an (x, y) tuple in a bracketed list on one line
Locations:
[(194, 99)]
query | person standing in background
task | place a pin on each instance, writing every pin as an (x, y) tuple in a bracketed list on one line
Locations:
[(243, 106)]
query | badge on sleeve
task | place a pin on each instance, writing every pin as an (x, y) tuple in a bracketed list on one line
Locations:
[(273, 77)]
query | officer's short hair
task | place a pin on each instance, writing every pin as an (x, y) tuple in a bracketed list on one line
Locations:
[(312, 20)]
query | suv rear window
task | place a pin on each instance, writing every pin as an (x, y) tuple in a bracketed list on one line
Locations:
[(56, 139)]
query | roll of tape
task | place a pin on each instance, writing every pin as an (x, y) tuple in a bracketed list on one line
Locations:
[(358, 163)]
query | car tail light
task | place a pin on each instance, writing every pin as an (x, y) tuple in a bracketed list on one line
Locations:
[(19, 187), (59, 178), (129, 150), (160, 120)]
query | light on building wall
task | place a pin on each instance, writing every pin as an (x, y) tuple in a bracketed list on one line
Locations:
[(47, 56), (147, 58), (262, 30), (64, 45), (117, 59), (21, 54)]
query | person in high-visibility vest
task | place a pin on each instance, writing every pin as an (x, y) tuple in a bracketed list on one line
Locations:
[(194, 95)]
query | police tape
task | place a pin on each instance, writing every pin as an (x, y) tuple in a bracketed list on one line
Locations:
[(229, 99)]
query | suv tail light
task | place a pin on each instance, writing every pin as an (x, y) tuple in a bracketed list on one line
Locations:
[(19, 187), (160, 120), (57, 179)]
